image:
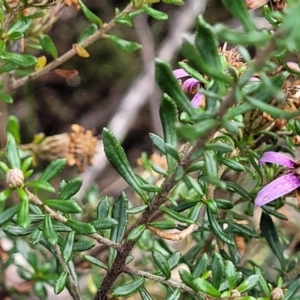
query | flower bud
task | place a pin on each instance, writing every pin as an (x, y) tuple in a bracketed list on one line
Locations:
[(235, 294), (15, 178), (277, 294)]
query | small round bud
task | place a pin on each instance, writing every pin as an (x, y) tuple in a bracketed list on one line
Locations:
[(15, 178), (277, 294)]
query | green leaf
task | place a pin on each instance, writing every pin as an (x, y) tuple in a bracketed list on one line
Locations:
[(23, 218), (48, 230), (217, 229), (158, 142), (169, 117), (65, 206), (67, 249), (6, 98), (150, 188), (240, 12), (206, 44), (172, 152), (230, 273), (129, 288), (17, 230), (223, 203), (106, 223), (292, 289), (217, 270), (197, 62), (197, 130), (81, 227), (35, 237), (155, 14), (231, 164), (19, 26), (53, 169), (83, 245), (269, 232), (248, 38), (177, 216), (210, 164), (205, 287), (5, 194), (26, 164), (248, 284), (165, 224), (123, 44), (117, 157), (175, 295), (169, 84), (219, 147), (41, 185), (70, 189), (22, 60), (136, 233), (161, 263), (119, 213), (12, 154), (48, 45), (90, 30), (103, 208), (124, 19), (233, 187), (60, 283), (136, 209), (17, 35), (89, 15), (8, 214), (92, 260), (262, 282), (201, 266), (188, 279), (271, 110)]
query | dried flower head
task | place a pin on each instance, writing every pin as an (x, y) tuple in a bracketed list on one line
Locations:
[(82, 147), (15, 178), (78, 147)]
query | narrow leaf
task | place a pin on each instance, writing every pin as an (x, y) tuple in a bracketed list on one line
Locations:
[(162, 263), (169, 117), (269, 231), (123, 44), (88, 14), (48, 45), (65, 206), (70, 189), (129, 288), (169, 84), (117, 157), (53, 169)]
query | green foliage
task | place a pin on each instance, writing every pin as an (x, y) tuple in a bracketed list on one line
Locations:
[(200, 194)]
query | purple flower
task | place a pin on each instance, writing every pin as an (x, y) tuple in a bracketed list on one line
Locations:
[(281, 186), (190, 85)]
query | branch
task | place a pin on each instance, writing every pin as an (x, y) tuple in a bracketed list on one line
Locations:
[(142, 88), (58, 217), (170, 181), (74, 290), (15, 84), (162, 280)]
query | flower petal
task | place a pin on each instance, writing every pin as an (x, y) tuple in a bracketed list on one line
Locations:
[(179, 73), (293, 65), (197, 100), (191, 85), (277, 188), (277, 158)]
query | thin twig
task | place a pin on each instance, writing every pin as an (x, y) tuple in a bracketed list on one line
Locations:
[(74, 289), (72, 52), (162, 280), (58, 217)]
